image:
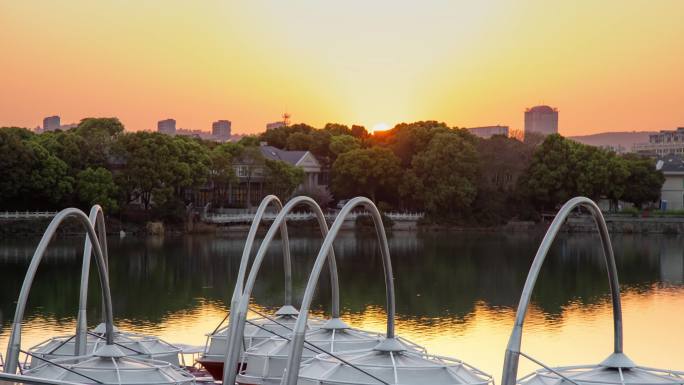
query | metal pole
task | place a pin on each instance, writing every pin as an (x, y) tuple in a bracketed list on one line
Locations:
[(96, 218), (258, 216), (237, 325), (510, 368), (247, 250), (14, 343), (390, 343)]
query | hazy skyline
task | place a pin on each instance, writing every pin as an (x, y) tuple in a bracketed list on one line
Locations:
[(607, 66)]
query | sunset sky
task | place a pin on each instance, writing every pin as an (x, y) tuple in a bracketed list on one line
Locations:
[(606, 65)]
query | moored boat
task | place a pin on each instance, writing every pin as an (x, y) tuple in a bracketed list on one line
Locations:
[(109, 363), (392, 360), (86, 342), (259, 329), (617, 368)]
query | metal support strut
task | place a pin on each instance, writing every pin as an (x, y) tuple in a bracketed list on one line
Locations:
[(297, 345), (237, 323), (96, 219), (617, 359), (14, 344), (287, 263)]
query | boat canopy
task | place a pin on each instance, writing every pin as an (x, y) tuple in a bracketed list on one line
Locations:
[(392, 360), (617, 368), (110, 365)]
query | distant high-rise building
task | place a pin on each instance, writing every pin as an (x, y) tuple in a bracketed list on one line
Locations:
[(541, 120), (273, 125), (51, 123), (220, 130), (167, 126), (489, 131)]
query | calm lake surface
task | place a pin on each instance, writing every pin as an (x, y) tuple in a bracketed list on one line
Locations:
[(456, 292)]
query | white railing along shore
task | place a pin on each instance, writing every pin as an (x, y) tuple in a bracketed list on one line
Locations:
[(26, 214), (305, 216)]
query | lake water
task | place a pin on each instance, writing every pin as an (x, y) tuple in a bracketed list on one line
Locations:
[(456, 292)]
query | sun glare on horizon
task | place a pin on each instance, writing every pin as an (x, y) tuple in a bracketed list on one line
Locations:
[(382, 126)]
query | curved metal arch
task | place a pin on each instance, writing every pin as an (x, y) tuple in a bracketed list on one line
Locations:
[(390, 343), (96, 219), (618, 358), (14, 344), (249, 243), (236, 328)]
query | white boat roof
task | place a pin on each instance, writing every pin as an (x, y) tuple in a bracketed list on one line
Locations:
[(406, 367), (109, 366), (600, 375)]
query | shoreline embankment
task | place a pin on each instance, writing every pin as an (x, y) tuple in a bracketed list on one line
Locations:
[(617, 224)]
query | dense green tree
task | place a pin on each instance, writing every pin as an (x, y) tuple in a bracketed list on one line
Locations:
[(98, 134), (282, 178), (159, 167), (249, 140), (96, 186), (367, 172), (299, 141), (335, 129), (502, 161), (30, 176), (320, 194), (277, 137), (68, 146), (548, 180), (359, 132), (561, 169), (191, 163), (409, 139), (222, 173), (443, 177), (343, 143), (643, 183), (15, 164)]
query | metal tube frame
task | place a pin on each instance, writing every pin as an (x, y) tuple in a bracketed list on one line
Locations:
[(237, 325), (249, 244), (617, 359), (14, 343), (297, 345), (96, 218)]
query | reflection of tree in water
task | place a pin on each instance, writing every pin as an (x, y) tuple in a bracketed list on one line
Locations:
[(437, 275)]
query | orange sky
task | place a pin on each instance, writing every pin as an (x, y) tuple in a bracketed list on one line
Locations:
[(606, 65)]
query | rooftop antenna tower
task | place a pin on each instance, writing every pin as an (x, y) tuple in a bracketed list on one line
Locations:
[(286, 118)]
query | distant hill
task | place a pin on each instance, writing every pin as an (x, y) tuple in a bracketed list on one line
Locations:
[(624, 139)]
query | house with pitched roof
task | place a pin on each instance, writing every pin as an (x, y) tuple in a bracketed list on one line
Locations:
[(672, 192), (252, 183)]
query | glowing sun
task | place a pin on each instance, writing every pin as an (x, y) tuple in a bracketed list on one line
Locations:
[(381, 127)]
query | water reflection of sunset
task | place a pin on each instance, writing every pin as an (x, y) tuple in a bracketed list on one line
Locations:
[(580, 334)]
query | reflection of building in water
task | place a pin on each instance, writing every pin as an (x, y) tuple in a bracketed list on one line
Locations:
[(671, 262)]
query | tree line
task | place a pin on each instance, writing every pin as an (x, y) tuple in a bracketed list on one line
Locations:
[(427, 166), (453, 175), (98, 162)]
